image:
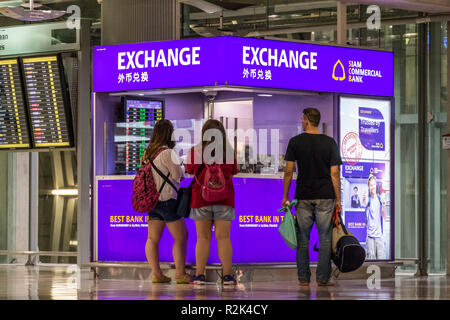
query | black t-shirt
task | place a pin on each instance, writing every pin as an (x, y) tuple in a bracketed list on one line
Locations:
[(315, 154)]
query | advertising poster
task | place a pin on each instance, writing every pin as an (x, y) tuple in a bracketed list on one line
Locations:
[(122, 232), (365, 144)]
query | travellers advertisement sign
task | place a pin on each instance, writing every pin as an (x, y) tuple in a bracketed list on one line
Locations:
[(122, 232), (365, 143), (242, 62)]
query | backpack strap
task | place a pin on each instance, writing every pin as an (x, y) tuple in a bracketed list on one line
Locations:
[(166, 178), (154, 157), (199, 170)]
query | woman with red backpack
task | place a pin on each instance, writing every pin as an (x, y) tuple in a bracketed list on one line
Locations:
[(213, 198), (165, 162)]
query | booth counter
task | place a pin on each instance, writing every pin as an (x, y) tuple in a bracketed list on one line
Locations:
[(257, 89)]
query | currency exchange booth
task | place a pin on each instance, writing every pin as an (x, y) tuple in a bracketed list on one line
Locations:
[(258, 89)]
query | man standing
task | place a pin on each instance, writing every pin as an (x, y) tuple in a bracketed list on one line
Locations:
[(318, 191), (375, 215), (355, 198)]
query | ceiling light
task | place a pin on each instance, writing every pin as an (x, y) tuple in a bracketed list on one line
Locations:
[(264, 95), (65, 192)]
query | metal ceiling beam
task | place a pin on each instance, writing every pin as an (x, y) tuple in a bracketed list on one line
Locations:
[(261, 10), (356, 25)]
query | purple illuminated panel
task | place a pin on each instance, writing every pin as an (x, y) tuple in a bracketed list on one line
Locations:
[(254, 232), (150, 65), (301, 66), (355, 221), (243, 62)]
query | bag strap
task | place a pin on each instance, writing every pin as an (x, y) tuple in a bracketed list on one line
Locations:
[(166, 178), (337, 220), (199, 170)]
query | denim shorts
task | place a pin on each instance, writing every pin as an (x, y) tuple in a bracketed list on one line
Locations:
[(225, 213), (165, 211)]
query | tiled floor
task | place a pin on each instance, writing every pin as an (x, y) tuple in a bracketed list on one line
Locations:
[(62, 282)]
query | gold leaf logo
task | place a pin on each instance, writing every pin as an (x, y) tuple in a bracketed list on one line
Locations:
[(334, 71)]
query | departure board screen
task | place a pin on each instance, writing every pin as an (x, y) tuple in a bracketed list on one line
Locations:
[(13, 119), (48, 102), (140, 118)]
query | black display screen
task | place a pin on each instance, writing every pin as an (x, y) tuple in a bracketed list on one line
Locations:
[(141, 114), (14, 133), (48, 102)]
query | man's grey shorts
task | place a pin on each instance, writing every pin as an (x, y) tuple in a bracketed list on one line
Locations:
[(224, 213)]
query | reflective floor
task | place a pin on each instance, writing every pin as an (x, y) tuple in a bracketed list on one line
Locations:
[(63, 282)]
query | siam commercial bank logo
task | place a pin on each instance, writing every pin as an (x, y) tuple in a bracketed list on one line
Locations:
[(357, 72), (338, 63)]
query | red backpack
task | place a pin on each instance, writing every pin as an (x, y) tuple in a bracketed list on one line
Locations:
[(214, 186), (145, 196)]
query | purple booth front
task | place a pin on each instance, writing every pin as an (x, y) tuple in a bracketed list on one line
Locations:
[(257, 89)]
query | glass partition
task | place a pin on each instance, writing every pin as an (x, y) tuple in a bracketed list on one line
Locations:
[(259, 127)]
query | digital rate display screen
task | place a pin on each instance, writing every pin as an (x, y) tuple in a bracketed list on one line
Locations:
[(134, 134), (48, 102), (14, 132)]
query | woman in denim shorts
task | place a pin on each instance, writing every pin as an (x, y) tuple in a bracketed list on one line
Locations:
[(206, 214), (160, 150)]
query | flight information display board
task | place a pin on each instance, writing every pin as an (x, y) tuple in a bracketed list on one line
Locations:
[(48, 102), (140, 118), (14, 132)]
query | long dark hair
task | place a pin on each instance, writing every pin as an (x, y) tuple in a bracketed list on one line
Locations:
[(161, 136), (215, 124)]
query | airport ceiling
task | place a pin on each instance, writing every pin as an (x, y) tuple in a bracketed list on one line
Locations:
[(429, 6), (253, 14)]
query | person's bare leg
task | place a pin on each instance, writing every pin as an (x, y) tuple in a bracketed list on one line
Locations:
[(155, 231), (204, 234), (224, 248), (179, 234)]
